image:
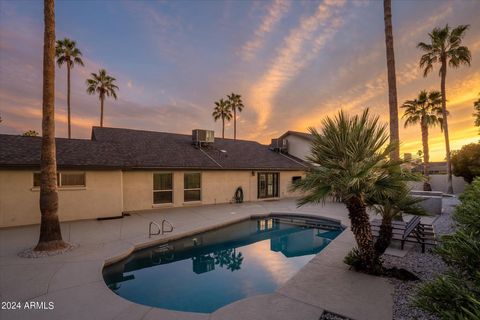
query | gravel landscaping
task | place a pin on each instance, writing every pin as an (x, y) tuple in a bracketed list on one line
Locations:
[(426, 266)]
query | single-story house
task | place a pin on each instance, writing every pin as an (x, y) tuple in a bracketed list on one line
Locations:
[(122, 170)]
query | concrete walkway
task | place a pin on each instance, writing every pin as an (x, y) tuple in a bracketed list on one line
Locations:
[(74, 282)]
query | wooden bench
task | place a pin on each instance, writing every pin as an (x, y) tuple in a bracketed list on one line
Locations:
[(411, 231)]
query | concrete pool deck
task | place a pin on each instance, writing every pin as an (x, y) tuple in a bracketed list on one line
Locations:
[(73, 281)]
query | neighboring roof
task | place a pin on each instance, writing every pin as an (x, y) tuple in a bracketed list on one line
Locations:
[(303, 135), (138, 149), (435, 166)]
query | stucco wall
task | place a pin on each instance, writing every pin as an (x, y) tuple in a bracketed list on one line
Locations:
[(19, 201), (298, 147), (439, 183), (217, 187)]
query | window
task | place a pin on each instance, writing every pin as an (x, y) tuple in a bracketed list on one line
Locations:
[(162, 188), (295, 179), (72, 179), (192, 187), (64, 179), (268, 184)]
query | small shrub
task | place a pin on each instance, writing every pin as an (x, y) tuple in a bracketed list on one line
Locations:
[(354, 260), (456, 295), (449, 297)]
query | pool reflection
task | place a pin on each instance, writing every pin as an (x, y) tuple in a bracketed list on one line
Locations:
[(206, 271)]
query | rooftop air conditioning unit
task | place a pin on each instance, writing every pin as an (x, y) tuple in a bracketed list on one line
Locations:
[(200, 136), (279, 145)]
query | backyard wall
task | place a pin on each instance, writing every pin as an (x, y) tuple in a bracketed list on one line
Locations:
[(19, 200), (439, 183), (217, 187)]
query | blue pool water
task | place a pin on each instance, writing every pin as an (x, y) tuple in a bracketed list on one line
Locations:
[(204, 272)]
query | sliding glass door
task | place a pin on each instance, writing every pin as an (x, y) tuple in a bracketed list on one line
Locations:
[(268, 184)]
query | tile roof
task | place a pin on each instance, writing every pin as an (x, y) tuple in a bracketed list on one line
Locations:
[(138, 149)]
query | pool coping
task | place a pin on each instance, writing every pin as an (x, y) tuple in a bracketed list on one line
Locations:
[(154, 242), (299, 292)]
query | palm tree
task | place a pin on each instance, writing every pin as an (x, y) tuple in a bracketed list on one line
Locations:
[(236, 103), (392, 82), (67, 52), (476, 106), (222, 111), (351, 162), (445, 48), (103, 84), (50, 232), (393, 206), (425, 109)]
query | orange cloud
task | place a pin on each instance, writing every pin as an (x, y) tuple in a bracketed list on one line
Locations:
[(291, 58), (274, 14)]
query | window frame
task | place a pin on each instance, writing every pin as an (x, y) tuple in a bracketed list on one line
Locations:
[(192, 189), (162, 190), (275, 184), (60, 186)]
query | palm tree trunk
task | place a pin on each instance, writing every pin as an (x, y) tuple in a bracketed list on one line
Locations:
[(443, 72), (50, 232), (101, 110), (362, 231), (223, 127), (426, 157), (384, 236), (234, 124), (392, 83), (68, 100)]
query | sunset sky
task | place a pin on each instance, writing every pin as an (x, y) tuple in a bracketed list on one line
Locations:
[(293, 62)]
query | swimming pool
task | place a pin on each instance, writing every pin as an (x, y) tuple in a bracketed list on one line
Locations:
[(206, 271)]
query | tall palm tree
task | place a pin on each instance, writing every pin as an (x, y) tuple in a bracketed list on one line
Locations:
[(445, 48), (50, 232), (353, 163), (427, 111), (236, 103), (222, 111), (67, 52), (476, 114), (104, 85), (392, 81)]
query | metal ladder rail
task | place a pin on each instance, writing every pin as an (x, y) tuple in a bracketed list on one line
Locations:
[(161, 228)]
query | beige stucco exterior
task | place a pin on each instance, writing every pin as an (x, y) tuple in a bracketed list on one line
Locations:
[(217, 187), (109, 193), (19, 200)]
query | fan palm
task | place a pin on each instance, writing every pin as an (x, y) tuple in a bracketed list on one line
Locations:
[(427, 111), (392, 82), (236, 104), (446, 48), (50, 232), (67, 52), (391, 207), (104, 86), (222, 111), (352, 161)]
